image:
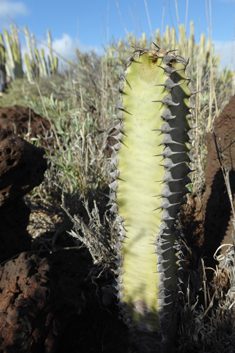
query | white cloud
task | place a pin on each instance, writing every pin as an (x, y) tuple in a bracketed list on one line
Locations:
[(66, 46), (227, 53), (12, 9)]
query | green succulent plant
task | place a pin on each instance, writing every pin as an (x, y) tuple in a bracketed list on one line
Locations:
[(150, 165)]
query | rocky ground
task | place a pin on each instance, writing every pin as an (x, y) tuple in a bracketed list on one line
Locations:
[(59, 301)]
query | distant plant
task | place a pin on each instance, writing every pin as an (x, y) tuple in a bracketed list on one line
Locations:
[(34, 62)]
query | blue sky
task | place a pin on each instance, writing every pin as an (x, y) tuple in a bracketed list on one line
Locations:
[(88, 24)]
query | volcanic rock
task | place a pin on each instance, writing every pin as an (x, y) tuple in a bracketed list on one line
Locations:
[(216, 207), (22, 121), (22, 166), (14, 238), (36, 304)]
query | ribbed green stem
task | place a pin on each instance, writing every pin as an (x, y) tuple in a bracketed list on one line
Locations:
[(150, 174)]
